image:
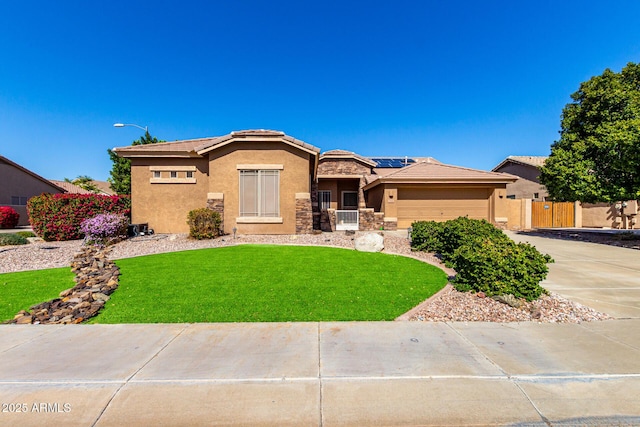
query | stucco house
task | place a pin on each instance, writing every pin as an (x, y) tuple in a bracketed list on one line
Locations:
[(527, 169), (266, 182), (18, 184)]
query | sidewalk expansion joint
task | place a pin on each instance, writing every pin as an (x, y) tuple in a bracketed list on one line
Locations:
[(115, 393)]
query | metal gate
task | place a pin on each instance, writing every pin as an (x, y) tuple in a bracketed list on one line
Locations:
[(552, 214), (347, 220)]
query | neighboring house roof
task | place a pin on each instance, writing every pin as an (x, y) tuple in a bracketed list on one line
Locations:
[(535, 161), (430, 172), (34, 175), (198, 147), (69, 187), (103, 187), (347, 155)]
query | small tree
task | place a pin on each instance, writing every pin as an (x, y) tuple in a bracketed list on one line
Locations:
[(120, 178)]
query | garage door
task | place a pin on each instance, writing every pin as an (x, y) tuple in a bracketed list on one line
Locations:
[(418, 204)]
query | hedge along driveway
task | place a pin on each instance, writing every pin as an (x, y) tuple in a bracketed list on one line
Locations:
[(268, 283)]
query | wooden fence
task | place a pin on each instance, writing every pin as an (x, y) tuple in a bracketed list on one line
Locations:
[(552, 214)]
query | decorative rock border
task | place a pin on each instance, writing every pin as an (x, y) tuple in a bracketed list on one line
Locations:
[(96, 279)]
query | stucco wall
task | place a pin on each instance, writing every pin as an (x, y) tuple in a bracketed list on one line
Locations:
[(600, 215), (164, 206), (374, 198), (16, 182), (295, 177), (527, 185)]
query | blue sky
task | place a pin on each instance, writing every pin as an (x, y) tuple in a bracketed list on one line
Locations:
[(466, 82)]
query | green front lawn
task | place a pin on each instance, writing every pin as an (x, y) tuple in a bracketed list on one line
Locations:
[(266, 283), (19, 291)]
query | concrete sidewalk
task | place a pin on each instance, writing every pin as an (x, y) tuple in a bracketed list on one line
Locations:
[(606, 278), (321, 374)]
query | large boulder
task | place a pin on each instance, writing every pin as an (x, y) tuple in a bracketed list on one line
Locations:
[(370, 242)]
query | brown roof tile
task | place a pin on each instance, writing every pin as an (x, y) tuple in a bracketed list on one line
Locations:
[(535, 161), (69, 187), (441, 173), (197, 147), (344, 154)]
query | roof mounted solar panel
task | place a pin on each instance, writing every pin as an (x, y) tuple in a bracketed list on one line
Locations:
[(392, 162)]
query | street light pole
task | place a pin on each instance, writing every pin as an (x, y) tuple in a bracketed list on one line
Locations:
[(121, 125)]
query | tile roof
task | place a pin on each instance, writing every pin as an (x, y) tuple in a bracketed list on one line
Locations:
[(344, 154), (103, 187), (69, 187), (535, 161), (200, 146), (440, 173)]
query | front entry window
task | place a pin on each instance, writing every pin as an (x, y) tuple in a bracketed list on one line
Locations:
[(350, 200)]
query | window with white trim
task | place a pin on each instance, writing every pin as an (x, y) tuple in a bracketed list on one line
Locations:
[(324, 198), (173, 174), (157, 174), (260, 193), (189, 174)]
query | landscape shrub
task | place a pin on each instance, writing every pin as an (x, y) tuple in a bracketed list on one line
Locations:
[(8, 217), (463, 230), (58, 216), (7, 239), (499, 267), (485, 259), (425, 236), (104, 229), (204, 223), (26, 233)]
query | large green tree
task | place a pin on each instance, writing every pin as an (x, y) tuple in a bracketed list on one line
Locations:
[(597, 158), (120, 178)]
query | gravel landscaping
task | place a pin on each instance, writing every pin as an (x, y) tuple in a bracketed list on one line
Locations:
[(447, 305)]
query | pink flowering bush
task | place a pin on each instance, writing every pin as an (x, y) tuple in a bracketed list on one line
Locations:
[(104, 229), (58, 216), (8, 217)]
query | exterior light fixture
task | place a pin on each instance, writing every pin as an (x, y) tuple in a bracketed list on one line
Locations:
[(121, 125)]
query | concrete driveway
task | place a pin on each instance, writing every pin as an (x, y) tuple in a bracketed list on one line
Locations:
[(606, 278)]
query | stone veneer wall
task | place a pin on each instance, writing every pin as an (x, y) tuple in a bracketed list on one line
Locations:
[(379, 220), (315, 206), (367, 219), (342, 167), (304, 213), (391, 225), (215, 202)]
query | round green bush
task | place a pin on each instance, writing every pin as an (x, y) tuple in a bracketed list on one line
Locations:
[(10, 239), (425, 236), (204, 223), (499, 267)]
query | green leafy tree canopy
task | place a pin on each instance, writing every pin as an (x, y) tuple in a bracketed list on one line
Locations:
[(597, 158), (120, 175)]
